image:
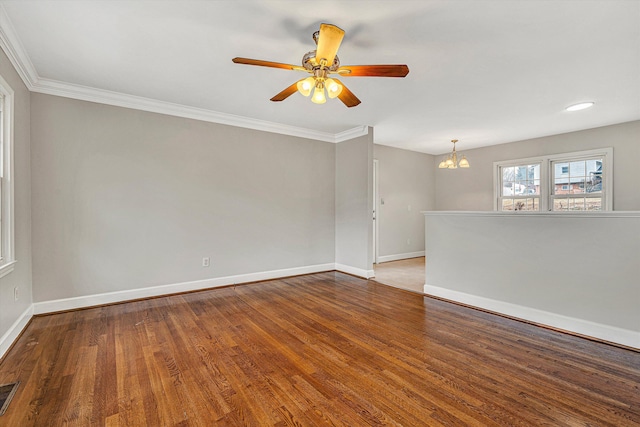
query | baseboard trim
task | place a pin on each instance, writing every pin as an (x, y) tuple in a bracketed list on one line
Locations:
[(15, 330), (366, 274), (398, 257), (599, 331), (85, 301)]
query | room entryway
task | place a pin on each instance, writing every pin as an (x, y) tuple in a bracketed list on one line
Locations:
[(405, 274)]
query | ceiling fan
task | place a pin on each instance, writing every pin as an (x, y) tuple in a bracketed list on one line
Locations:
[(323, 62)]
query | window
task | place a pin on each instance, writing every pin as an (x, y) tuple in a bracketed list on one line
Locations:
[(577, 185), (7, 259), (520, 188), (580, 181)]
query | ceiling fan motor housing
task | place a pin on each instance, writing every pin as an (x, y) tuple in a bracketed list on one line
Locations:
[(309, 62)]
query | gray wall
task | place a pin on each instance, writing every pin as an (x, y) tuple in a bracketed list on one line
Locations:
[(405, 179), (126, 199), (586, 282), (472, 189), (354, 202), (11, 310)]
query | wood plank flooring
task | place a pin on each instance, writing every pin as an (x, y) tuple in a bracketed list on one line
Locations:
[(321, 349)]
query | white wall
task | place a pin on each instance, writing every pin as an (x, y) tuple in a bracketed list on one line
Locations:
[(14, 311), (126, 199), (406, 183), (354, 201), (577, 272), (472, 189)]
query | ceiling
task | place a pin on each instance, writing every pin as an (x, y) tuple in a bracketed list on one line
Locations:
[(484, 72)]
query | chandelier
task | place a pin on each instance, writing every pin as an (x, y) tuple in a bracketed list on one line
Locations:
[(452, 162)]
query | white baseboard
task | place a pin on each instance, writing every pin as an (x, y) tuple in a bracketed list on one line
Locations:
[(355, 271), (613, 334), (153, 291), (397, 257), (14, 331)]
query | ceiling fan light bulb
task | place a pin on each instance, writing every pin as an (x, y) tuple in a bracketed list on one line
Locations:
[(306, 85), (333, 88), (318, 95)]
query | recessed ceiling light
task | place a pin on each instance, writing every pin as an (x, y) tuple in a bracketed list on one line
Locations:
[(580, 106)]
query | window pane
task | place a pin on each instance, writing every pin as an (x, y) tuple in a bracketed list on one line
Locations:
[(507, 204), (521, 173), (560, 169), (560, 204), (532, 204), (508, 174), (593, 166), (561, 186), (577, 185), (536, 187), (577, 169), (593, 203), (534, 172), (593, 179), (576, 204)]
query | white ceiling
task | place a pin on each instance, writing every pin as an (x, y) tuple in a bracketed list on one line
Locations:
[(484, 72)]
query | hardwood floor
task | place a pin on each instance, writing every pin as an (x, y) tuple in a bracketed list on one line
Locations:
[(406, 274), (321, 349)]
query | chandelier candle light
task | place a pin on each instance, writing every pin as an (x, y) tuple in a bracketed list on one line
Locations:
[(452, 162)]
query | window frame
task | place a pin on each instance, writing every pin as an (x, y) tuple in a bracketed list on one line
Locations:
[(546, 178), (7, 225), (498, 182)]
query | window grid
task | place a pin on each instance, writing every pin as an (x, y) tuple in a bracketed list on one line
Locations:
[(520, 187), (577, 184), (586, 177)]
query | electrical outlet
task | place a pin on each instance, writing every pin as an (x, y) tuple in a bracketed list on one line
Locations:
[(15, 293), (409, 208), (206, 261), (408, 241)]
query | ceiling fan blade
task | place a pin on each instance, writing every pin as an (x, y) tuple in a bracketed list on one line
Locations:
[(261, 63), (346, 96), (399, 70), (286, 93), (328, 43)]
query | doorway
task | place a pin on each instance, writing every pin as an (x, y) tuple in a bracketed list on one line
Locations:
[(408, 273)]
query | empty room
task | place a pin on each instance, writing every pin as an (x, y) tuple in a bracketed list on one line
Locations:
[(295, 213)]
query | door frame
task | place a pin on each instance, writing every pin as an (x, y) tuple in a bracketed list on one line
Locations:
[(376, 211)]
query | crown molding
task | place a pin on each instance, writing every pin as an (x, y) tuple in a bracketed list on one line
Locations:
[(351, 133), (85, 93), (12, 46)]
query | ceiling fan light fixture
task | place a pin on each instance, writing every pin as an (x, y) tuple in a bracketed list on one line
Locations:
[(322, 62), (333, 88), (318, 95), (305, 86)]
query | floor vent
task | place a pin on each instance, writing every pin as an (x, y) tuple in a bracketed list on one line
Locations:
[(6, 394)]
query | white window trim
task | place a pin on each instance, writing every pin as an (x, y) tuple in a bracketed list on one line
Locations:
[(545, 175), (497, 180), (7, 241)]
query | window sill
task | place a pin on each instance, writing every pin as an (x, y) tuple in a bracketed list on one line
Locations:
[(568, 214), (7, 268)]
